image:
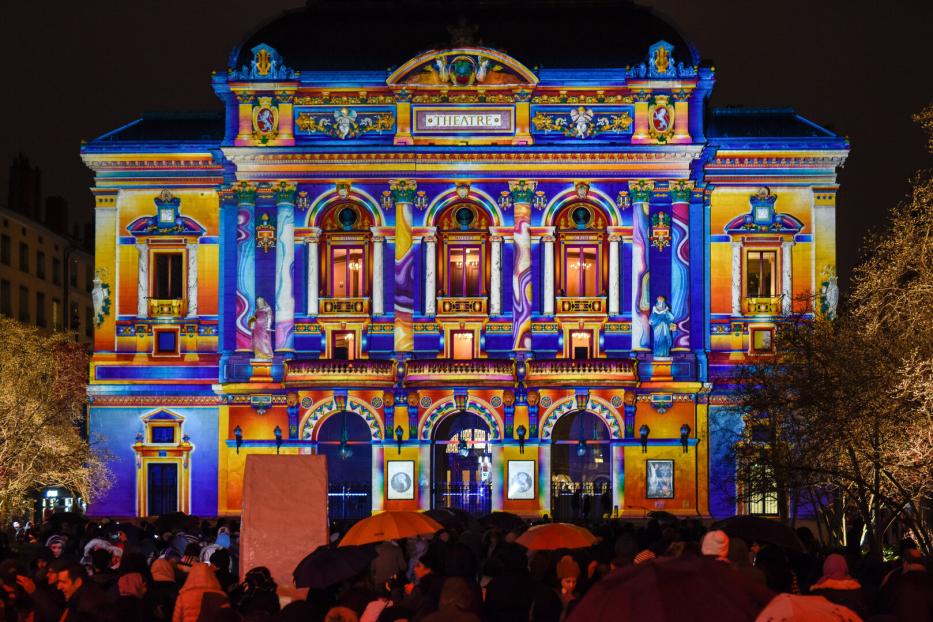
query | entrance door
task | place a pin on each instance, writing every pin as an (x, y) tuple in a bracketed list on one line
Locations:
[(345, 439), (581, 469), (162, 488), (462, 464)]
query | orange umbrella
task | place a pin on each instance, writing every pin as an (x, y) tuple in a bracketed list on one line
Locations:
[(553, 536), (390, 526)]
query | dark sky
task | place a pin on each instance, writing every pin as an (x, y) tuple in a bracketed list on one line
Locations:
[(74, 70)]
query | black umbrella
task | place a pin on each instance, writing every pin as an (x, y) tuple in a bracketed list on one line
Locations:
[(171, 522), (504, 521), (760, 529), (446, 518), (665, 518), (328, 565), (60, 518)]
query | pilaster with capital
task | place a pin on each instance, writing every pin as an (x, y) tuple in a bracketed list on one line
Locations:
[(522, 194), (681, 192), (641, 193), (547, 280), (245, 264), (613, 303), (285, 268), (142, 275), (430, 273), (313, 240), (402, 194), (192, 279), (495, 275), (378, 267), (787, 272), (736, 277)]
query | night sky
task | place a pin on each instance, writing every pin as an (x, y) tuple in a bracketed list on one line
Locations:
[(74, 70)]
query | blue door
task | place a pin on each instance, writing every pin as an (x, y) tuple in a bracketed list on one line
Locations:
[(162, 489)]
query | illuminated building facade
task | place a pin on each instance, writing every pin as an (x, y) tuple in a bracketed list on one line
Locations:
[(468, 282)]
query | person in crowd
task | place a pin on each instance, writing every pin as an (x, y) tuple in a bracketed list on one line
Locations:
[(56, 544), (164, 590), (510, 592), (741, 561), (220, 561), (907, 591), (257, 594), (716, 544), (568, 571), (83, 598), (455, 603), (837, 586), (425, 593), (199, 596)]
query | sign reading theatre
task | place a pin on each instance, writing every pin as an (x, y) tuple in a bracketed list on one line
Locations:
[(456, 120)]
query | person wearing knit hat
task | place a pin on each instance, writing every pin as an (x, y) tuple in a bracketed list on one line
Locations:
[(838, 587), (645, 556), (716, 544), (568, 571)]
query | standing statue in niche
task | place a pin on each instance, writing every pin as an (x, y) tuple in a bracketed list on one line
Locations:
[(661, 320), (261, 326)]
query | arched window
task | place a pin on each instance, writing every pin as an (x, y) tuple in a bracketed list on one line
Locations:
[(347, 258), (583, 265), (463, 261)]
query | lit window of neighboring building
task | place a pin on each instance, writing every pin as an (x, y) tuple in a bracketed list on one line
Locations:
[(5, 249), (40, 264), (56, 271), (40, 309), (762, 492), (75, 317), (23, 304), (6, 304), (23, 257)]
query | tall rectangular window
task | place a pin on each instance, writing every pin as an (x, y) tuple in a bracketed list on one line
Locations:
[(74, 317), (760, 268), (462, 347), (24, 257), (23, 304), (582, 271), (762, 491), (167, 277), (56, 314), (581, 344), (56, 271), (6, 302), (343, 346), (6, 249), (40, 309), (347, 270), (464, 270), (40, 264)]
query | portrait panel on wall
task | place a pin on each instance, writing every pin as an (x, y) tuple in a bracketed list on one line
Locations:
[(521, 477), (660, 480), (400, 479)]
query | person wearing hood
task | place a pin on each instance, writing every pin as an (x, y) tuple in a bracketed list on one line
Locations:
[(164, 590), (199, 596), (56, 544), (837, 586), (716, 544), (257, 593), (132, 604)]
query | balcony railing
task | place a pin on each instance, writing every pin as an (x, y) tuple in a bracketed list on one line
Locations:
[(475, 371), (344, 306), (569, 371), (166, 308), (329, 372), (475, 305), (763, 306), (581, 305)]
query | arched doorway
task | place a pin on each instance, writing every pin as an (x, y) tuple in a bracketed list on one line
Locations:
[(581, 467), (345, 439), (462, 464)]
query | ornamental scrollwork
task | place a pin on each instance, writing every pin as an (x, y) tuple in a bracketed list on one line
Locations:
[(583, 122), (344, 123)]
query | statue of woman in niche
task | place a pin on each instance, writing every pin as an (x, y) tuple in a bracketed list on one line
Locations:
[(261, 326), (660, 321)]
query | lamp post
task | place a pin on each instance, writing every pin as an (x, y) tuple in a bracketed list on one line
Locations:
[(238, 435), (521, 431), (398, 438), (278, 439), (643, 433), (685, 436)]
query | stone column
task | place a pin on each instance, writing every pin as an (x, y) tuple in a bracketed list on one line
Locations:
[(641, 292), (142, 287), (245, 264), (495, 274), (547, 277), (787, 275), (614, 274), (378, 265), (192, 279), (736, 277), (314, 267), (680, 192), (430, 275), (522, 192), (402, 193), (681, 116), (285, 269)]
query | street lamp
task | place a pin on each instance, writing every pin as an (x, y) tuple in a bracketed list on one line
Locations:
[(521, 438), (643, 433), (238, 435), (398, 438), (278, 439), (685, 436)]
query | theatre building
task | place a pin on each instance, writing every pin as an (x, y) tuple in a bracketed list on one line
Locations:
[(512, 271)]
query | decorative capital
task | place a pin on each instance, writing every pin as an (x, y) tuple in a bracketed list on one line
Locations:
[(245, 193), (681, 96), (641, 97), (641, 191), (285, 97), (403, 190), (522, 191), (681, 191), (285, 193)]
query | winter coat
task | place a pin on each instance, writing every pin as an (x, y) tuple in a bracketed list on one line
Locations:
[(845, 592), (201, 592), (909, 595)]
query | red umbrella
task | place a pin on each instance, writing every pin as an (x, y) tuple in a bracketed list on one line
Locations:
[(686, 589), (554, 536)]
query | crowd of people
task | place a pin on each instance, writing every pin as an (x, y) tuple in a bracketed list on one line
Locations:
[(114, 572)]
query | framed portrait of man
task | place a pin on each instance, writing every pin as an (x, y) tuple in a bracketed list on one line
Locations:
[(660, 480), (521, 479), (400, 479)]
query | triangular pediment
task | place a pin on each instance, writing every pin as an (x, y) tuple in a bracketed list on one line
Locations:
[(466, 67)]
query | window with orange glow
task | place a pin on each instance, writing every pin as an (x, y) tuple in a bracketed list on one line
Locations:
[(347, 269), (581, 271), (465, 265)]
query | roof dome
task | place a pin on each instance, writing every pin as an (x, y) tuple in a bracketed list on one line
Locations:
[(378, 34)]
